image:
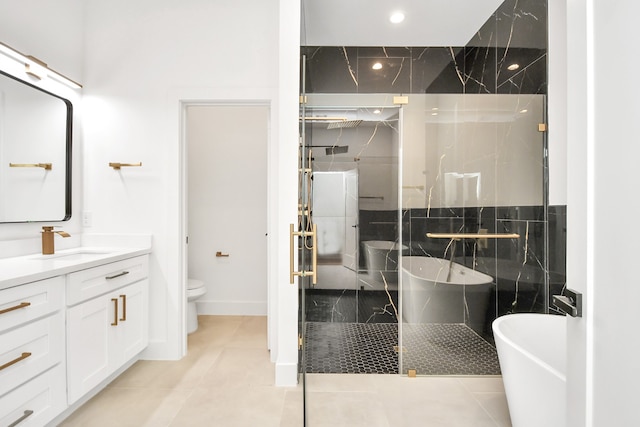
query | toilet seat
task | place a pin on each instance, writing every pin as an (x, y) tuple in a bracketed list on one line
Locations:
[(195, 289), (193, 284)]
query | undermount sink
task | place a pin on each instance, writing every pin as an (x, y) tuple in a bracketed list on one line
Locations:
[(72, 255)]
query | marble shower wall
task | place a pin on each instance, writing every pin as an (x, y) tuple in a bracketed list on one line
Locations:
[(526, 271)]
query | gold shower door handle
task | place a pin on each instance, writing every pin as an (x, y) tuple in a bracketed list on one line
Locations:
[(314, 253)]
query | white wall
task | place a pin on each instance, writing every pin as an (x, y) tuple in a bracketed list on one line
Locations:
[(141, 59), (52, 32), (603, 112)]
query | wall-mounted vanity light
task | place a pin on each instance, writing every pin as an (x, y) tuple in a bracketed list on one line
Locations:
[(117, 166), (45, 166), (37, 68)]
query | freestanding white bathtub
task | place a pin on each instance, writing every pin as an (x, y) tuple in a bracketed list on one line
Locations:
[(382, 256), (428, 297), (531, 349)]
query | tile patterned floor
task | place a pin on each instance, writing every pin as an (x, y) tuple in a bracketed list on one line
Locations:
[(226, 380), (431, 349)]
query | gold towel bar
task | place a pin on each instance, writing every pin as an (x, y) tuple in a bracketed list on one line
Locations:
[(459, 236), (45, 166), (117, 166)]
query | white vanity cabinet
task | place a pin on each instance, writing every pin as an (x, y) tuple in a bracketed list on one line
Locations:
[(32, 352), (107, 321)]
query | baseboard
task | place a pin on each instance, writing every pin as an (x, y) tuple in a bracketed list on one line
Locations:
[(286, 374), (232, 308), (161, 350)]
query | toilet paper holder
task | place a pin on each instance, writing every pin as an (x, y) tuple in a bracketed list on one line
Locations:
[(570, 303)]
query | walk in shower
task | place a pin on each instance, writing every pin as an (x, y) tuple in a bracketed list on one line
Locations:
[(431, 204)]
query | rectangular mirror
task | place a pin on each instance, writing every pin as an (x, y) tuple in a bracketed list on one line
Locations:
[(35, 153)]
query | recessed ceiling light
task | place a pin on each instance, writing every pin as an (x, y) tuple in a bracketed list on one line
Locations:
[(435, 109), (523, 111), (434, 114), (396, 17), (377, 111), (377, 66), (513, 67)]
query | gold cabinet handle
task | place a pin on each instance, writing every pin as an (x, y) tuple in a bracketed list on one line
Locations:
[(22, 418), (115, 312), (15, 307), (14, 361), (124, 307), (221, 255), (117, 275)]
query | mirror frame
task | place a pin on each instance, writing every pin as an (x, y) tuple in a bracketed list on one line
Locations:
[(68, 154)]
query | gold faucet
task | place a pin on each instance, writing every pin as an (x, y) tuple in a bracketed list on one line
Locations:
[(47, 239)]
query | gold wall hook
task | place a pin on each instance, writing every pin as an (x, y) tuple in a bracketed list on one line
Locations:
[(45, 166), (117, 165)]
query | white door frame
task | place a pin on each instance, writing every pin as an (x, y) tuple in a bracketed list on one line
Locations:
[(185, 102)]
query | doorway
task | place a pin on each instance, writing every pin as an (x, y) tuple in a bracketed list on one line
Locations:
[(226, 169)]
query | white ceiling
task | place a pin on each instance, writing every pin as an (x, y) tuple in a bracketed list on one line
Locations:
[(366, 22)]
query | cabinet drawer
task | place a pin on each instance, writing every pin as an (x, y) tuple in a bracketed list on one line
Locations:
[(85, 284), (38, 401), (24, 303), (30, 350)]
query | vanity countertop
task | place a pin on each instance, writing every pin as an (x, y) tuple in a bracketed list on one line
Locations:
[(30, 268)]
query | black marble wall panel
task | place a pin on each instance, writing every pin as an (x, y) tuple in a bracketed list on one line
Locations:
[(515, 34)]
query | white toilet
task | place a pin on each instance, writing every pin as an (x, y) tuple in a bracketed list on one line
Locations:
[(195, 289)]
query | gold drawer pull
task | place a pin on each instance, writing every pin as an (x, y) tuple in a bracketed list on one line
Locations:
[(220, 254), (117, 275), (124, 307), (14, 361), (16, 307), (115, 312), (21, 419)]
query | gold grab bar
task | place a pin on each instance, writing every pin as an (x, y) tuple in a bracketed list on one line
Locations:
[(15, 307), (458, 236), (117, 166), (14, 361), (124, 307), (314, 253), (45, 166), (25, 415), (115, 312)]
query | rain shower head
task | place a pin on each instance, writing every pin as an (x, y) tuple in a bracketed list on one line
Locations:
[(336, 149), (344, 124)]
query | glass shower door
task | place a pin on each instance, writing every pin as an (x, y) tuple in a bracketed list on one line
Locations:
[(473, 166)]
